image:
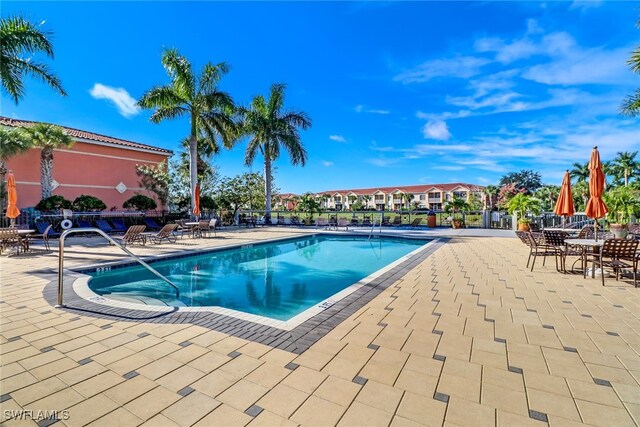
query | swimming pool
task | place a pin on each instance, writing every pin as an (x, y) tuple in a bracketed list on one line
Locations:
[(278, 280)]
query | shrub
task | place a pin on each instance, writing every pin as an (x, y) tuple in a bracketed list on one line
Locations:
[(140, 202), (207, 202), (85, 203), (53, 203)]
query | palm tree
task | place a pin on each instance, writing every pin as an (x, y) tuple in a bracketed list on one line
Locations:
[(19, 41), (366, 199), (580, 172), (270, 128), (210, 110), (631, 105), (12, 142), (491, 191), (47, 137), (625, 165)]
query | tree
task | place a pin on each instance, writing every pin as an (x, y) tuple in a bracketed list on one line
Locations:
[(547, 195), (491, 191), (85, 203), (308, 205), (366, 199), (241, 191), (140, 202), (580, 171), (210, 110), (625, 165), (156, 179), (20, 40), (525, 179), (522, 204), (580, 195), (271, 128), (47, 137), (631, 105), (457, 206), (12, 142)]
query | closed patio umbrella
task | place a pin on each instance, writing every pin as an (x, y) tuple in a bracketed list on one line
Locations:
[(196, 207), (564, 205), (596, 208), (12, 207)]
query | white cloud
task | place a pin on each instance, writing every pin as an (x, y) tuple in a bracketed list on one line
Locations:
[(383, 162), (436, 129), (584, 5), (326, 163), (125, 104), (361, 109), (448, 168), (462, 66), (337, 138)]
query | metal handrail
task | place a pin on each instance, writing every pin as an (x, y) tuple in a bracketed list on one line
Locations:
[(106, 236), (373, 224)]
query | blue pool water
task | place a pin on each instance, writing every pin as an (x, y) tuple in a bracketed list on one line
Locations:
[(277, 280)]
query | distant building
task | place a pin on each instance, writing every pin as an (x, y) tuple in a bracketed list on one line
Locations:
[(96, 165), (427, 196)]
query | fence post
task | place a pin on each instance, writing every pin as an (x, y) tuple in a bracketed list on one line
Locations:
[(486, 219), (514, 222)]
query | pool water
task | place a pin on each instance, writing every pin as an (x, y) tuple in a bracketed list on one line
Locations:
[(277, 280)]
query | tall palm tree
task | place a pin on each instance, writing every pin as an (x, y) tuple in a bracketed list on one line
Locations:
[(19, 41), (491, 191), (270, 129), (631, 105), (47, 137), (210, 110), (580, 172), (624, 165), (12, 142)]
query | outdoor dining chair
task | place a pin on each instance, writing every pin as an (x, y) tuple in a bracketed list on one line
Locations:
[(9, 237), (618, 254), (556, 239), (44, 236)]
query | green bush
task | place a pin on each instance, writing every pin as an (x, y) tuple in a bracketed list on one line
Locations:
[(207, 202), (54, 203), (140, 202), (85, 203)]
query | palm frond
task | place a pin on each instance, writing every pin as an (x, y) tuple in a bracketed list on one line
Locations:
[(211, 75), (179, 70), (631, 105), (253, 148), (161, 96), (17, 35), (163, 113), (42, 72)]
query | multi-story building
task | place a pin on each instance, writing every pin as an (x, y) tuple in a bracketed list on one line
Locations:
[(427, 196)]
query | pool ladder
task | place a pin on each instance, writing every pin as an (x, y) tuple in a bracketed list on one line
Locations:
[(64, 235), (373, 225)]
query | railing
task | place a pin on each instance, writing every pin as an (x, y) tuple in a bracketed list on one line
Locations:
[(64, 235), (373, 225)]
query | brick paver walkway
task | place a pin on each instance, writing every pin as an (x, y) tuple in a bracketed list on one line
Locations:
[(468, 337)]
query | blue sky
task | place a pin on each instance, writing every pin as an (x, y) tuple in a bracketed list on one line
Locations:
[(399, 92)]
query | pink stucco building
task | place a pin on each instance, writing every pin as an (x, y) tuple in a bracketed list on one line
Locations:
[(96, 165)]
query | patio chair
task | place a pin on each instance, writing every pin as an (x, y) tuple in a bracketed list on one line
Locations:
[(397, 221), (321, 222), (618, 254), (104, 226), (44, 236), (415, 223), (118, 225), (556, 239), (151, 224), (586, 232), (385, 222), (9, 237), (354, 221), (82, 223), (280, 221), (42, 226), (366, 222), (333, 221), (134, 235), (537, 247), (295, 221), (166, 233), (205, 227), (343, 222)]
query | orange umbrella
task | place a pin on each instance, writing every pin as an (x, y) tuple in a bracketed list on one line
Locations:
[(12, 209), (596, 208), (564, 205), (196, 208)]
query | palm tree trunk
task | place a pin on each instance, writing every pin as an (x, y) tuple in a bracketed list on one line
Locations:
[(46, 171), (626, 177), (267, 186), (193, 167), (3, 172)]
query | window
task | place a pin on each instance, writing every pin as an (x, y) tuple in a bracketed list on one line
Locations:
[(423, 197), (460, 194)]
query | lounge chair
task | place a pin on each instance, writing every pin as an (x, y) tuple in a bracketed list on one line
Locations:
[(321, 222), (119, 225), (415, 223), (397, 221), (42, 226), (343, 222), (104, 226), (385, 222), (44, 236), (134, 235), (83, 223), (166, 233), (151, 224), (281, 221), (295, 220), (287, 221), (366, 222), (333, 221)]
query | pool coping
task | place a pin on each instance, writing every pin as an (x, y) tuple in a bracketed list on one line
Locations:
[(295, 336)]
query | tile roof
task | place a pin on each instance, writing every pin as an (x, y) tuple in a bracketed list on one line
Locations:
[(81, 134), (422, 188)]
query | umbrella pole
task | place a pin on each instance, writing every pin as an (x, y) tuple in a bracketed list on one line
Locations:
[(595, 229)]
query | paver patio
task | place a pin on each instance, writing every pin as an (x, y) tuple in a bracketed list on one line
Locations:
[(467, 337)]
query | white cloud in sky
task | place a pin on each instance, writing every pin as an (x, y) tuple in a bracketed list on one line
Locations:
[(125, 104), (436, 129), (337, 138), (327, 163), (361, 109), (448, 168), (584, 5), (461, 66)]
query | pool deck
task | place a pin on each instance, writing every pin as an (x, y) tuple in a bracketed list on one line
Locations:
[(467, 336)]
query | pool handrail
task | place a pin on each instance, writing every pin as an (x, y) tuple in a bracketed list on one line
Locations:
[(111, 240)]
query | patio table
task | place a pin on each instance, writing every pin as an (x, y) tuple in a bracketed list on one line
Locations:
[(585, 244)]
